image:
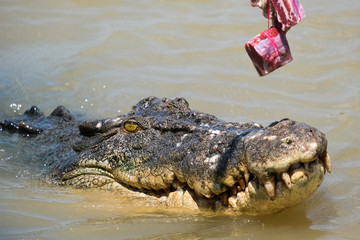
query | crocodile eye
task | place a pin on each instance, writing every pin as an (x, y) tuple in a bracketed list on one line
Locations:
[(288, 140), (131, 126)]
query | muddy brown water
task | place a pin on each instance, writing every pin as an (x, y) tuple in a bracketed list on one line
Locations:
[(98, 58)]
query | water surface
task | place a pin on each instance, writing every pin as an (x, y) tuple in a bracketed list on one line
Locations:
[(98, 58)]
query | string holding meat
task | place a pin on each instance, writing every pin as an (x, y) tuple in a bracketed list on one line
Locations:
[(287, 12), (270, 50)]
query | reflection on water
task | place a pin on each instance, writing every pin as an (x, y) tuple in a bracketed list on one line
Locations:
[(100, 57), (58, 213)]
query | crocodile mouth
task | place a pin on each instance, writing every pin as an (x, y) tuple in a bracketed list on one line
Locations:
[(249, 194), (253, 195), (296, 171)]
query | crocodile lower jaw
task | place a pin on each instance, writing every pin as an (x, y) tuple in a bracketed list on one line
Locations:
[(247, 196)]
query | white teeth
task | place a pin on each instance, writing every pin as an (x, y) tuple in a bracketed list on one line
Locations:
[(327, 162), (232, 202), (241, 198), (247, 177), (299, 174), (286, 177), (270, 188)]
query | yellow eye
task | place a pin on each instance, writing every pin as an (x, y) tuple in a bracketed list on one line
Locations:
[(131, 126), (287, 140)]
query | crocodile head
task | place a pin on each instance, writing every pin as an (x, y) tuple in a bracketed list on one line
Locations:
[(186, 158), (288, 161)]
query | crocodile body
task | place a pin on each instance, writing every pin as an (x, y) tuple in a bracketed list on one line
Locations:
[(180, 157)]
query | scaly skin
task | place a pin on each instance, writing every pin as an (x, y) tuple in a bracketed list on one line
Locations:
[(179, 157)]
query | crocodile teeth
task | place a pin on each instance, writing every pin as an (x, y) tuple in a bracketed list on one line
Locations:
[(232, 202), (247, 177), (270, 188), (286, 177), (327, 162)]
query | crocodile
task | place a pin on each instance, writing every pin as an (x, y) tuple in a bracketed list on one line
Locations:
[(180, 158)]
